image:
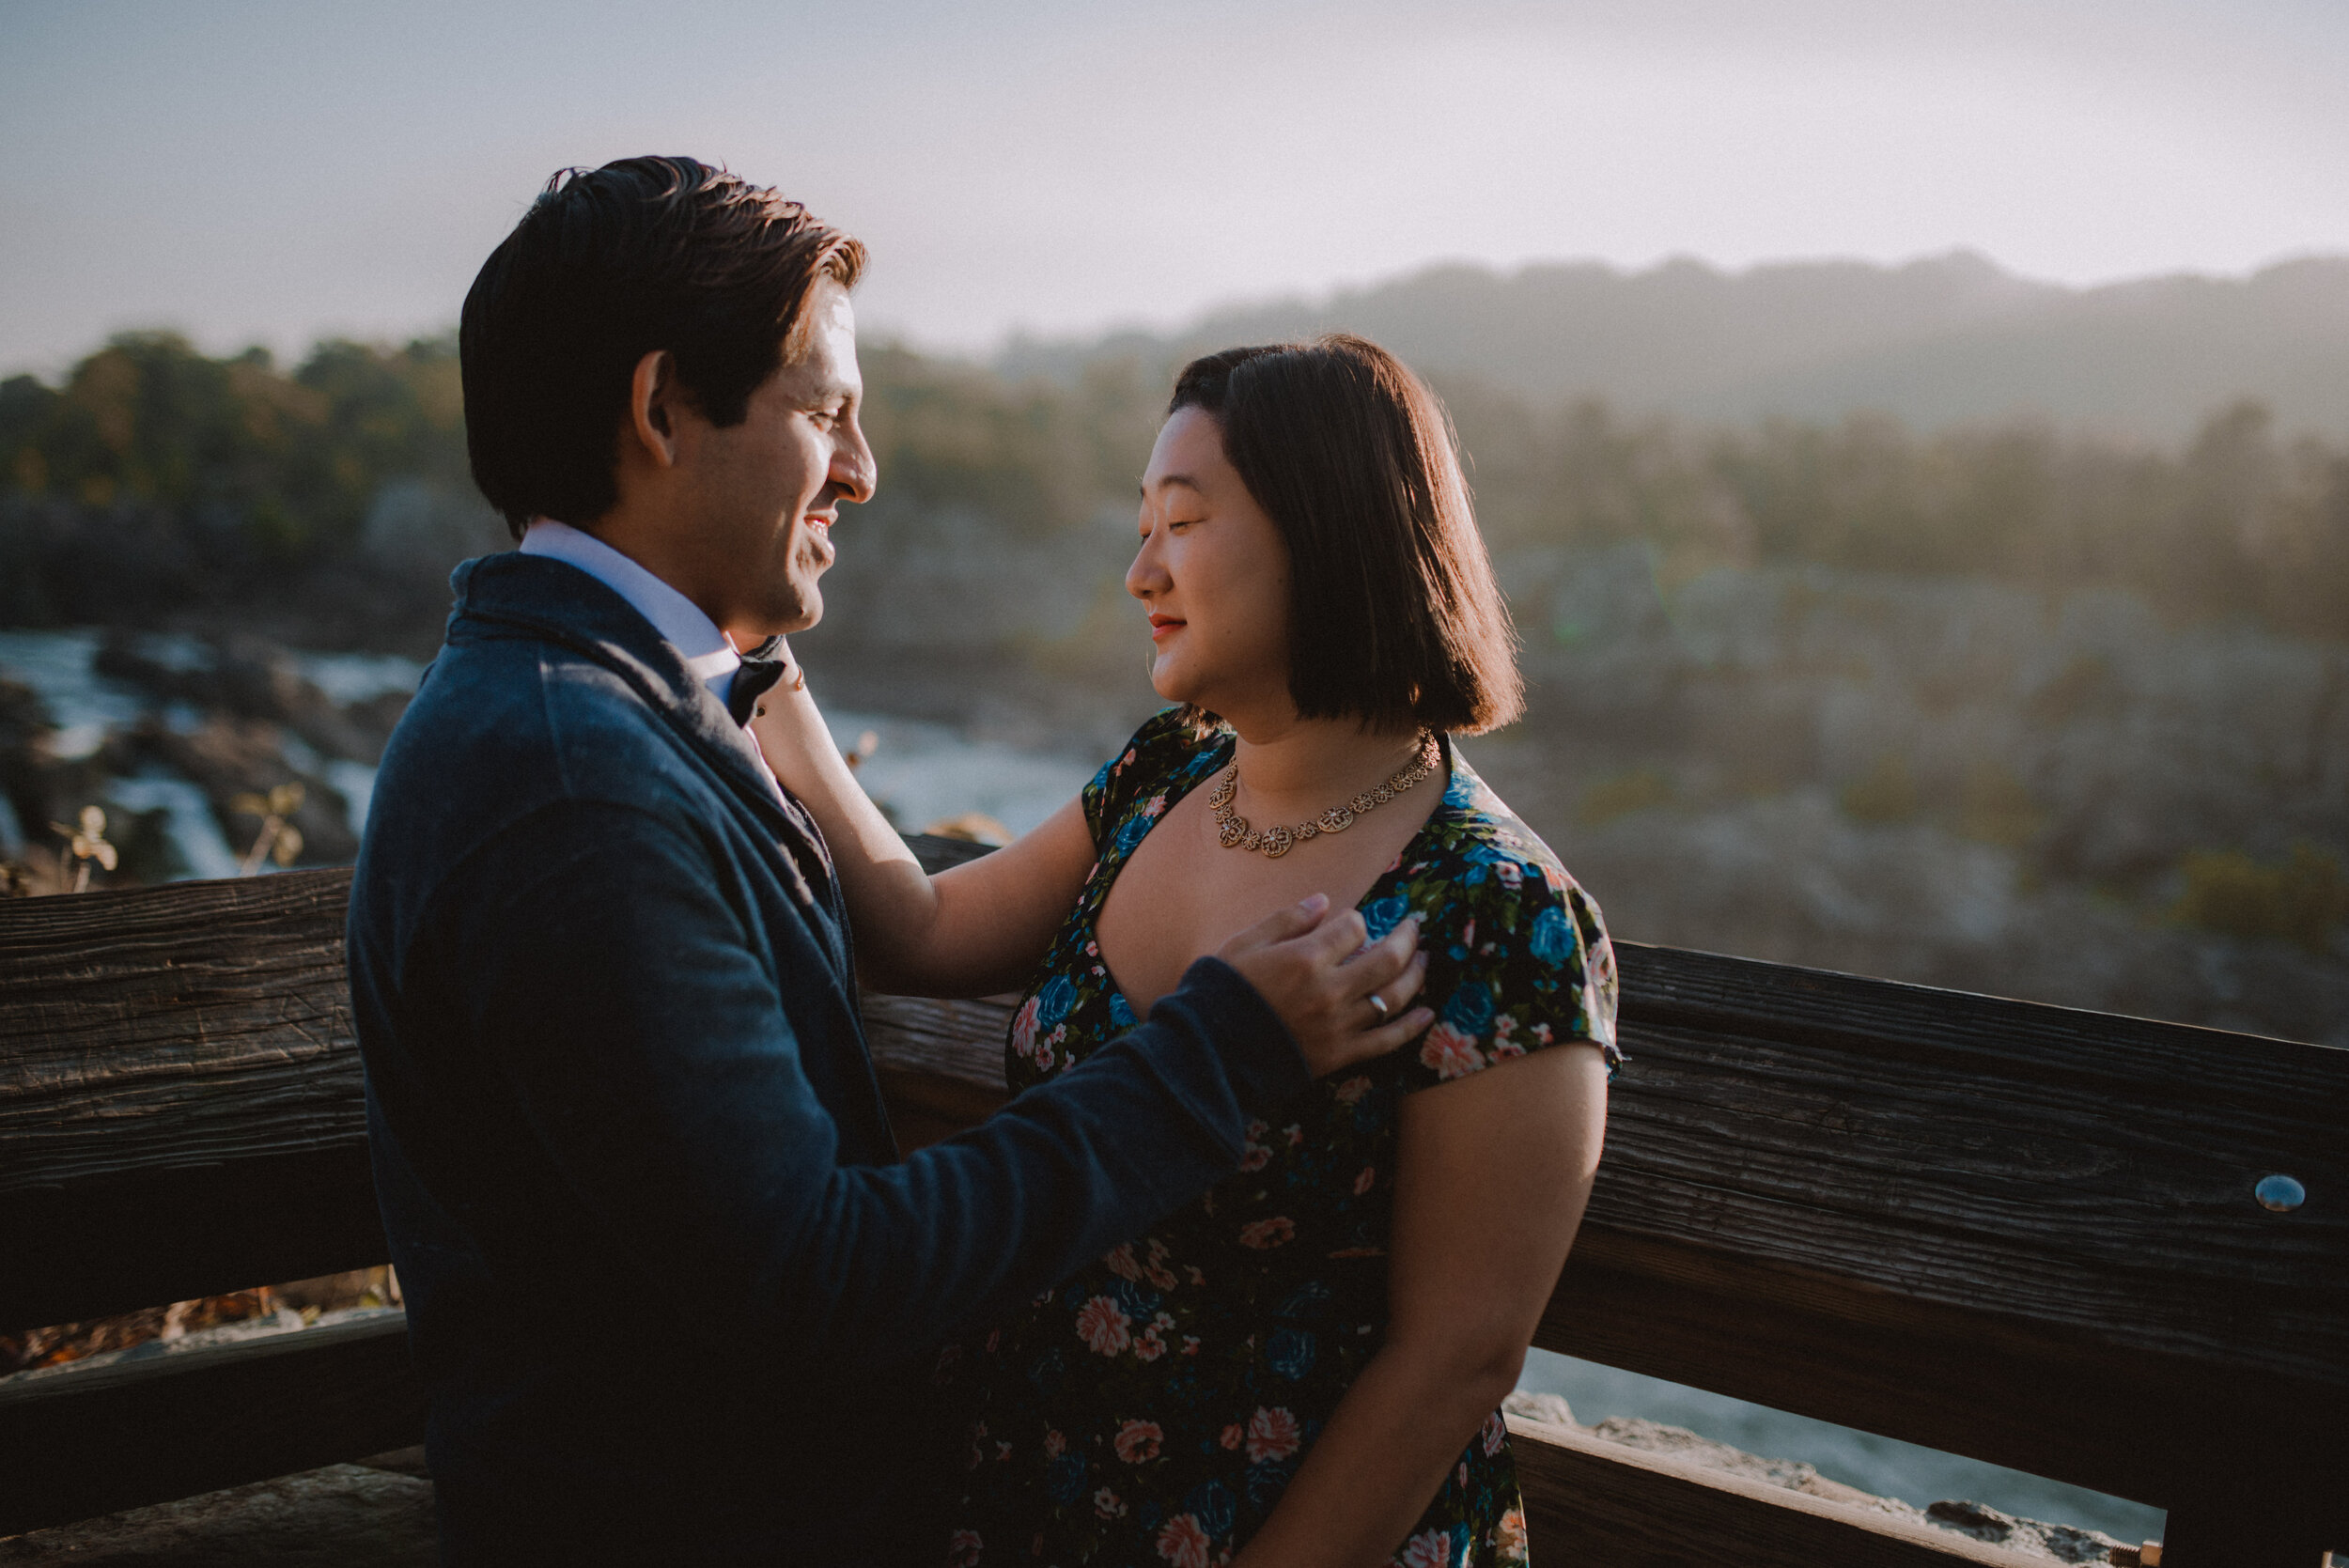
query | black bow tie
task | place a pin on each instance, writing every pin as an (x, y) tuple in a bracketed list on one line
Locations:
[(759, 671)]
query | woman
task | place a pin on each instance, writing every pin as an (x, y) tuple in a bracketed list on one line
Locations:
[(1304, 1367)]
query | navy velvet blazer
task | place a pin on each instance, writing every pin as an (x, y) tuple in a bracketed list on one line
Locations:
[(674, 1291)]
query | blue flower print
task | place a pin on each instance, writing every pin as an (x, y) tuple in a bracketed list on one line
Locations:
[(1121, 1013), (1213, 1505), (1384, 916), (1552, 940), (1131, 832), (1290, 1353), (1470, 1009), (1064, 1479), (1055, 1000), (1135, 1302)]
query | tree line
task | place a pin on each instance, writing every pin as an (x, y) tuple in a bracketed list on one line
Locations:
[(155, 478)]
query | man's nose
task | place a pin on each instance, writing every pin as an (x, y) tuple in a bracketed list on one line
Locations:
[(855, 474)]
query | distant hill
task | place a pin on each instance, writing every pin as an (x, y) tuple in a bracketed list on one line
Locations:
[(1951, 339)]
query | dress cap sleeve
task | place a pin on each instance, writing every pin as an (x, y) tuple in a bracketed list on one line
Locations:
[(1151, 754), (1519, 960)]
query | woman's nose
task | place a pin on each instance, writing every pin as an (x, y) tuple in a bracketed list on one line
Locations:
[(1146, 576)]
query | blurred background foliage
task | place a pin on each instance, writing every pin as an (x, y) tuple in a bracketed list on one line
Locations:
[(156, 478)]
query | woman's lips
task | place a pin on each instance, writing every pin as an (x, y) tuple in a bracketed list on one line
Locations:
[(1163, 626)]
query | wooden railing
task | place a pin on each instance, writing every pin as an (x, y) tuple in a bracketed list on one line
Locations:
[(2019, 1233)]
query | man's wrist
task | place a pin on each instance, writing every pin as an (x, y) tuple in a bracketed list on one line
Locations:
[(1260, 1057)]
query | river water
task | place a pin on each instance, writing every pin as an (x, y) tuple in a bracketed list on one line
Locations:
[(927, 773)]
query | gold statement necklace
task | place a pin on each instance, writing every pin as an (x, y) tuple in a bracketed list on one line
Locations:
[(1233, 831)]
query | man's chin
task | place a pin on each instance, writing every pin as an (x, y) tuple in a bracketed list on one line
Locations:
[(806, 611)]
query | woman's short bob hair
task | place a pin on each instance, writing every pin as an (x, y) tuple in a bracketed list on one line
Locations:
[(1395, 616)]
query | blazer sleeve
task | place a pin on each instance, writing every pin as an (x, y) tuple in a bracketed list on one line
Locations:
[(644, 1037)]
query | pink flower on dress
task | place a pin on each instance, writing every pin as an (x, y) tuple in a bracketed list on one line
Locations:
[(1183, 1543), (1105, 1329), (1509, 1539), (1024, 1029), (1121, 1261), (1511, 874), (1234, 1436), (1272, 1436), (1155, 806), (962, 1550), (1427, 1549), (1451, 1053), (1352, 1089), (1265, 1234), (1149, 1347), (1108, 1505), (1055, 1445), (1361, 1183), (1495, 1434), (1159, 1274), (1137, 1441)]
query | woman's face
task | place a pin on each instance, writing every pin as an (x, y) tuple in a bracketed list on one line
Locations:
[(1214, 575)]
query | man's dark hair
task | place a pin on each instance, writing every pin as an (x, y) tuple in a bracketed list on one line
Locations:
[(1394, 616), (607, 266)]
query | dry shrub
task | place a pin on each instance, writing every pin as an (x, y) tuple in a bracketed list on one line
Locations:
[(2300, 899)]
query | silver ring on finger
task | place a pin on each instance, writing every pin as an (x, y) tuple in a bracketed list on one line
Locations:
[(1378, 1005)]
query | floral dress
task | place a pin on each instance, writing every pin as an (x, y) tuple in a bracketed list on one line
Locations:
[(1151, 1408)]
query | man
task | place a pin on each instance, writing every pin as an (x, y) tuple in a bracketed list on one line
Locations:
[(672, 1289)]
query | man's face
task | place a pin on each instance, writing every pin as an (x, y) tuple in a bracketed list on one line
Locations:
[(765, 493)]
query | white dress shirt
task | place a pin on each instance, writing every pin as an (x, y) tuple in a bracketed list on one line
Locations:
[(708, 652)]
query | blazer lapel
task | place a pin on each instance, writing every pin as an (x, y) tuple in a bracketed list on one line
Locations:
[(556, 601)]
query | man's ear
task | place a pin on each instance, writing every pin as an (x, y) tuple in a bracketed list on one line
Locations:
[(652, 399)]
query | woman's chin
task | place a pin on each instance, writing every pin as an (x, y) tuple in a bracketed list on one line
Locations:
[(1167, 681)]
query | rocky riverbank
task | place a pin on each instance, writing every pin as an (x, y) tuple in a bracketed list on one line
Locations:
[(232, 723)]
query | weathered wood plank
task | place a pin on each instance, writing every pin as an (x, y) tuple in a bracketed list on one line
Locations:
[(179, 1095), (1588, 1501), (92, 1440)]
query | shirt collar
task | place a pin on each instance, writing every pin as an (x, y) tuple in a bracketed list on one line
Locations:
[(709, 653)]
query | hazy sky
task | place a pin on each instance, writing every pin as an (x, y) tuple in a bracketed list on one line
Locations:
[(247, 171)]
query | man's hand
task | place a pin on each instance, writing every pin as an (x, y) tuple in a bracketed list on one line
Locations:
[(1311, 965)]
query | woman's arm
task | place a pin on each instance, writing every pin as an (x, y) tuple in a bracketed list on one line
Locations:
[(978, 928), (1492, 1175)]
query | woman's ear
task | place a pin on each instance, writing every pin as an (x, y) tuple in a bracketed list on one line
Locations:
[(652, 395)]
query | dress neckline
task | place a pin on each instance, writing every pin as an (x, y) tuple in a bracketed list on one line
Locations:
[(1198, 769)]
